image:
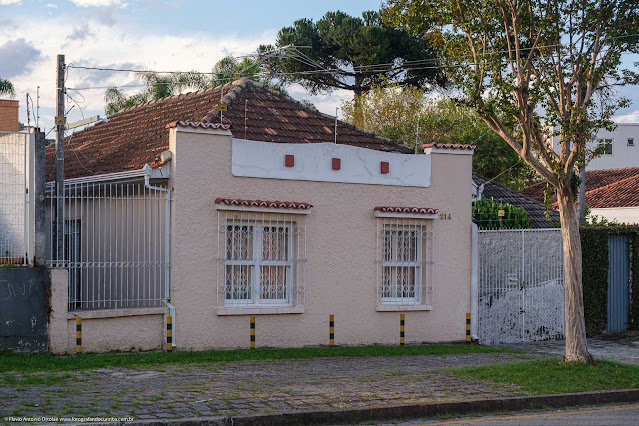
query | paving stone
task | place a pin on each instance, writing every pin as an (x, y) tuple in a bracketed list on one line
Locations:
[(250, 387)]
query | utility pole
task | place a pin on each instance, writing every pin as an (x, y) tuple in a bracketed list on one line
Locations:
[(60, 122)]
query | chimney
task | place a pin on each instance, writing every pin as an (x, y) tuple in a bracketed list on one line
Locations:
[(9, 115)]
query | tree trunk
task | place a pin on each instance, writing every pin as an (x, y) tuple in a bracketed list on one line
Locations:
[(574, 323)]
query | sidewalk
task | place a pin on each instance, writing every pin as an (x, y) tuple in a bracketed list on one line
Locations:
[(615, 347), (254, 387)]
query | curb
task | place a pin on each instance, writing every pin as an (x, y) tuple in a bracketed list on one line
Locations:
[(400, 412)]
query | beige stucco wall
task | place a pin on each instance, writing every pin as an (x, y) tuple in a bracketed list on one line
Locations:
[(102, 331), (341, 252)]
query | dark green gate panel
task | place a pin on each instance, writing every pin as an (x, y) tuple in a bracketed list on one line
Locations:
[(618, 282)]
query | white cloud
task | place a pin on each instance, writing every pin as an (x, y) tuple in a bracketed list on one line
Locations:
[(113, 47), (17, 57), (631, 117), (97, 3), (8, 2), (51, 6)]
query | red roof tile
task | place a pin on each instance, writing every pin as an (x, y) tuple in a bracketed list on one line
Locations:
[(200, 124), (138, 135), (604, 188), (449, 146), (415, 210), (263, 203)]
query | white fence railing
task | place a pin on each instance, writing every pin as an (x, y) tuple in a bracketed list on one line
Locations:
[(16, 206), (115, 244), (520, 285)]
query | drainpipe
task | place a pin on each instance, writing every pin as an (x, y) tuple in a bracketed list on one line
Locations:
[(167, 242)]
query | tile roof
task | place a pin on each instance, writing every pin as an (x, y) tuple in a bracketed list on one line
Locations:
[(138, 135), (604, 188), (263, 203), (536, 210), (415, 210)]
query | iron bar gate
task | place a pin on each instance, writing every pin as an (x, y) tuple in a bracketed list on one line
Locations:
[(521, 285), (115, 245)]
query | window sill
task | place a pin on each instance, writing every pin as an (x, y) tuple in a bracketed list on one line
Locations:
[(260, 310), (403, 308)]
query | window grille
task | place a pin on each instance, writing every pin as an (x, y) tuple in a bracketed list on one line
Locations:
[(607, 145), (115, 245), (261, 258), (404, 261)]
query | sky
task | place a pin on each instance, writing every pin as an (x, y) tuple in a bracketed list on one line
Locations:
[(168, 35)]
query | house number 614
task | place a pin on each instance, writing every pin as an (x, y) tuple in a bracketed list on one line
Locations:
[(445, 216)]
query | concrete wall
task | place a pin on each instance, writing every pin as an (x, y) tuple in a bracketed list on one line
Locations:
[(628, 215), (103, 330), (341, 251), (623, 155), (23, 309)]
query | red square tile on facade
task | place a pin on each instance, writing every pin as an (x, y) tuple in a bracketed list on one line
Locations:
[(337, 163), (385, 167), (289, 160)]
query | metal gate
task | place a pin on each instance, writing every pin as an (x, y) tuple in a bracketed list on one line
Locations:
[(521, 285), (618, 282), (16, 197)]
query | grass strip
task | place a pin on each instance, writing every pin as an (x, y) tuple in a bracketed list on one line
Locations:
[(46, 362), (550, 376)]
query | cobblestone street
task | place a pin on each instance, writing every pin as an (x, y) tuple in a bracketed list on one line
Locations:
[(252, 387)]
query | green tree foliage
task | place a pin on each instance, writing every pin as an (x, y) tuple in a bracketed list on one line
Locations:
[(159, 86), (357, 52), (486, 215), (6, 88), (527, 66), (396, 113)]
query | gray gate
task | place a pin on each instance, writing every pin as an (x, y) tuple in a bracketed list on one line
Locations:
[(618, 282), (520, 285)]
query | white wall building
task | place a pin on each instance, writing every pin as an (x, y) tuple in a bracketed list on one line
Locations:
[(621, 147)]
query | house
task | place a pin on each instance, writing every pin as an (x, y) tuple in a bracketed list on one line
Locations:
[(237, 215), (611, 194), (619, 147), (538, 214)]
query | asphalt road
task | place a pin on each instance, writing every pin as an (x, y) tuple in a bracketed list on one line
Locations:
[(617, 415)]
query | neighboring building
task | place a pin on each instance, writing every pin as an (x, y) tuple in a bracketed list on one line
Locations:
[(610, 194), (166, 213), (9, 115), (537, 212), (621, 147)]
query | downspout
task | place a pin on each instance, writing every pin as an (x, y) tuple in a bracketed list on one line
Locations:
[(167, 242)]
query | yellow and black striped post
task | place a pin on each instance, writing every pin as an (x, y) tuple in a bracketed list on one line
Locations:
[(402, 324), (252, 331), (78, 334), (331, 330), (169, 333), (468, 327)]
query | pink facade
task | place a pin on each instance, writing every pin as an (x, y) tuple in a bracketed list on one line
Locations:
[(365, 235)]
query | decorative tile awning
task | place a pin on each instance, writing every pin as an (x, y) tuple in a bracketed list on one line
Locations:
[(413, 210), (264, 203)]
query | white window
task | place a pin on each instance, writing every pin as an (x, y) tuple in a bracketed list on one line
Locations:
[(631, 142), (261, 259), (405, 258), (607, 145)]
